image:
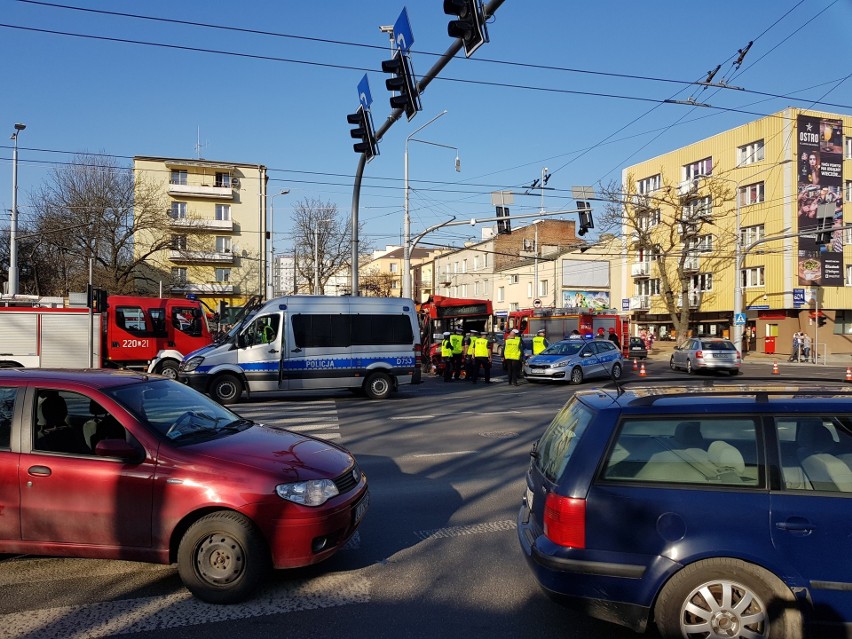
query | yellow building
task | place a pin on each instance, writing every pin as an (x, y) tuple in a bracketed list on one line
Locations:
[(767, 193), (215, 212)]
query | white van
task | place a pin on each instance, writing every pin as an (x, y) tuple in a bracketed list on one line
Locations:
[(296, 343)]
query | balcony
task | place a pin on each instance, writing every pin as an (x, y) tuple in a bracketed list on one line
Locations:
[(640, 269), (198, 224), (178, 255), (640, 303), (691, 264), (212, 190), (694, 300), (212, 287)]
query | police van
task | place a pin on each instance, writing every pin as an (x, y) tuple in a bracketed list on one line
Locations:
[(300, 343)]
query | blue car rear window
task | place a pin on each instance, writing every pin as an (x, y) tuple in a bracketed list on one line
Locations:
[(560, 439)]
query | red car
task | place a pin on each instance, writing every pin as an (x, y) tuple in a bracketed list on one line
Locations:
[(121, 465)]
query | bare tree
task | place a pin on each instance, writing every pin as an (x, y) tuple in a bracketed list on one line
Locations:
[(377, 284), (676, 228), (321, 231), (94, 209)]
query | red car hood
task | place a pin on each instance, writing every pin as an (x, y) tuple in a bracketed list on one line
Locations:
[(288, 455)]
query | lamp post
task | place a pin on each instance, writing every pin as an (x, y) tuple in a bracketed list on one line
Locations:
[(270, 277), (406, 227), (316, 254), (13, 226)]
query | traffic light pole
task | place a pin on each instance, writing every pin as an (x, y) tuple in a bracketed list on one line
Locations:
[(443, 61)]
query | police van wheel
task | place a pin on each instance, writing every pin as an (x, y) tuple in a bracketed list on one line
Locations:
[(226, 389), (378, 386)]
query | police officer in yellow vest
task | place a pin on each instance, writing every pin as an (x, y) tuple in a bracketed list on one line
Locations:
[(469, 360), (482, 358), (539, 342), (447, 357), (457, 339), (512, 351)]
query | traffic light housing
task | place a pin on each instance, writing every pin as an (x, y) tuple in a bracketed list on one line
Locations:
[(470, 25), (403, 83), (504, 225), (821, 320), (364, 132), (586, 222), (96, 299)]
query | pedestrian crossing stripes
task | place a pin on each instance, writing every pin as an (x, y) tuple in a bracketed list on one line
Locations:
[(316, 418)]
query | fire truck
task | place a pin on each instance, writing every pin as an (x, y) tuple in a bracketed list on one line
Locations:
[(141, 333), (439, 314), (558, 323)]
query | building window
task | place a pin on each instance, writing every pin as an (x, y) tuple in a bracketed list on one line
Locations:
[(223, 275), (178, 211), (648, 219), (179, 276), (501, 292), (223, 212), (223, 244), (477, 288), (751, 194), (177, 177), (753, 277), (648, 185), (750, 153), (475, 262), (749, 234), (542, 288), (648, 287), (699, 207), (847, 281), (394, 267), (847, 191), (702, 282), (513, 279), (455, 267), (848, 147), (464, 266), (223, 180), (529, 290), (696, 169), (179, 242), (703, 243)]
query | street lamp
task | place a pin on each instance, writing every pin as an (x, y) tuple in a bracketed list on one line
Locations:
[(13, 226), (406, 228), (316, 254), (270, 278)]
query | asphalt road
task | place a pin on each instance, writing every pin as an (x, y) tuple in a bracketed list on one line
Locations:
[(436, 555)]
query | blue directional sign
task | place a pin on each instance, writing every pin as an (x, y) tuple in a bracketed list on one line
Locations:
[(402, 32), (740, 319), (364, 93), (798, 297), (625, 304)]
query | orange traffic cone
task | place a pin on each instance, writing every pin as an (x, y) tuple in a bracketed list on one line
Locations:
[(642, 372), (635, 365), (849, 374), (775, 368)]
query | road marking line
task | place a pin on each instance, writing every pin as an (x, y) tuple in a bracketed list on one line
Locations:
[(473, 529), (411, 417), (423, 455)]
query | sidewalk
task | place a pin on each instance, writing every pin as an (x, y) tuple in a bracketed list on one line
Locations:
[(662, 351)]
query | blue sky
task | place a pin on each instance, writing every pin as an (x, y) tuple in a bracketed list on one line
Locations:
[(281, 98)]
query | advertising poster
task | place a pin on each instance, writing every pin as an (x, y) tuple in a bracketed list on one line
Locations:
[(820, 201), (598, 300)]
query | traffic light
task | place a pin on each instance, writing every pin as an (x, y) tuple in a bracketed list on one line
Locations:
[(470, 26), (586, 221), (821, 320), (363, 131), (402, 83), (96, 299), (504, 226)]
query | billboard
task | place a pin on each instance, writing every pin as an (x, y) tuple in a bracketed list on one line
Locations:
[(820, 201)]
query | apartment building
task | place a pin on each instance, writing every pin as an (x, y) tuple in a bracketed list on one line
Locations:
[(215, 212), (754, 219)]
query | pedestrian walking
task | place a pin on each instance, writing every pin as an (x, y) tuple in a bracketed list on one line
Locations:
[(457, 340), (794, 354), (539, 342), (806, 346), (512, 351), (482, 359), (447, 356)]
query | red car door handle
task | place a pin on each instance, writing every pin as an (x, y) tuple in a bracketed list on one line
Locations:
[(39, 471)]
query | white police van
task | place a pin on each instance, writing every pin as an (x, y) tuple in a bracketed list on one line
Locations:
[(298, 343)]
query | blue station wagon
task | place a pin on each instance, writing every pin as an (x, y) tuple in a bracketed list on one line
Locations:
[(714, 509)]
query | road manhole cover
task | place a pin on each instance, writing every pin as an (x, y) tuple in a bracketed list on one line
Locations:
[(499, 434)]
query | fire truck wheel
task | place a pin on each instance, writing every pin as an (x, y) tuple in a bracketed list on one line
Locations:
[(226, 389), (168, 369), (378, 386)]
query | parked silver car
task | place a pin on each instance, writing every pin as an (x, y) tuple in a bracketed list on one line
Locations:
[(706, 353)]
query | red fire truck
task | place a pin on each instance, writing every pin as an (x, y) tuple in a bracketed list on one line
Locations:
[(142, 333), (439, 314), (558, 323)]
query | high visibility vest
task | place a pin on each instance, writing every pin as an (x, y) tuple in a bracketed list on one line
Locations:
[(512, 348), (446, 348), (480, 347), (470, 342), (456, 341), (539, 344)]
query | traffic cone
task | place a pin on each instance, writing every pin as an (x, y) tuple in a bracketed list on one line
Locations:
[(849, 374), (635, 365), (642, 372), (775, 368)]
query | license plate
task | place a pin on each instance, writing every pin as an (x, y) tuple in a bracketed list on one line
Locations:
[(535, 371), (361, 508), (529, 498)]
